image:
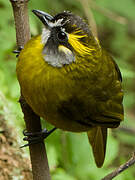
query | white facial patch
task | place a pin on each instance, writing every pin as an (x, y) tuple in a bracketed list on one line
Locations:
[(56, 23), (56, 57), (59, 58), (46, 32), (45, 35)]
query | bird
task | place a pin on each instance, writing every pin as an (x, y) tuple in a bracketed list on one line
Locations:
[(70, 80)]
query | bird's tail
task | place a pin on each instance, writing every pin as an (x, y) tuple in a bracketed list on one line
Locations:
[(97, 137)]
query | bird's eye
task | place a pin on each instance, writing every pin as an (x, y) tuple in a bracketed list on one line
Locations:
[(62, 36)]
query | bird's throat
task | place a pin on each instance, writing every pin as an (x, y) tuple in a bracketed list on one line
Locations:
[(58, 56)]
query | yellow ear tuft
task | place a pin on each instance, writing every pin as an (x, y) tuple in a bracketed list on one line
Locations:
[(73, 39)]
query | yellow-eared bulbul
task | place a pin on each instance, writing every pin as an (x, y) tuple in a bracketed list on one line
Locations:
[(70, 80)]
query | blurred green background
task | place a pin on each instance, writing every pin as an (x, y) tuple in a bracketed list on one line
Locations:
[(69, 154)]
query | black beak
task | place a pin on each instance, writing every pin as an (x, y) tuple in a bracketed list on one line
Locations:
[(44, 17)]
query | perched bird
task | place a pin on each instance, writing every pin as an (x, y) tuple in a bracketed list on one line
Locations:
[(70, 80)]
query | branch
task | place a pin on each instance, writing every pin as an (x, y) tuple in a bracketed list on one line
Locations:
[(86, 6), (21, 21), (38, 155), (120, 169), (110, 14)]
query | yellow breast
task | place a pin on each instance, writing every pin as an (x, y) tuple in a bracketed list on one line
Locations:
[(43, 86)]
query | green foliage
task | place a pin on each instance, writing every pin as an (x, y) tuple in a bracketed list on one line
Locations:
[(70, 156)]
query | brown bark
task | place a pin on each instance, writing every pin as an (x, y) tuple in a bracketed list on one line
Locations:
[(38, 154)]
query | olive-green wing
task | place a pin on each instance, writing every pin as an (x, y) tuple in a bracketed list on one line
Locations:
[(118, 70), (111, 113)]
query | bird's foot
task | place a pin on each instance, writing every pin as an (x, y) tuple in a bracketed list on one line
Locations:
[(17, 52), (36, 137)]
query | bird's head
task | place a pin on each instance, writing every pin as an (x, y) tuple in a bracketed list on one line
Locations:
[(65, 36)]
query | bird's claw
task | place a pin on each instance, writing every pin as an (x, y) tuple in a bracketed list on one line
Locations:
[(17, 52), (35, 137)]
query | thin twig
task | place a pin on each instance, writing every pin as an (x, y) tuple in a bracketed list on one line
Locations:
[(120, 169), (108, 13), (86, 6)]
